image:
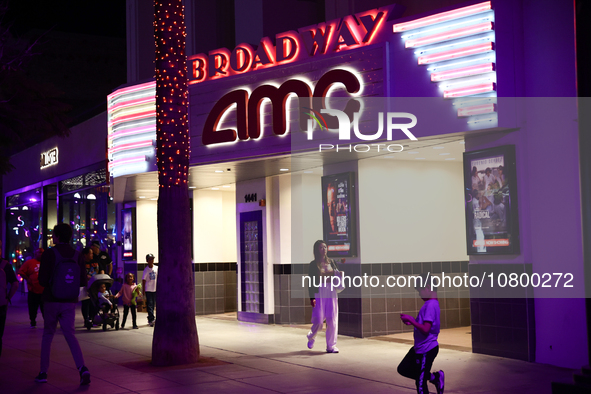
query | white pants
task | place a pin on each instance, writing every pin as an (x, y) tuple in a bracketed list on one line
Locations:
[(327, 307)]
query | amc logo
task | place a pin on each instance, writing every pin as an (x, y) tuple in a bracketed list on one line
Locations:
[(49, 158), (248, 122)]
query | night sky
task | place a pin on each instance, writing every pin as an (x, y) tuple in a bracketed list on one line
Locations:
[(103, 18), (81, 51)]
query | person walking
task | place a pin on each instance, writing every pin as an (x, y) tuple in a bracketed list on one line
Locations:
[(29, 271), (417, 363), (149, 279), (57, 309), (7, 279), (323, 297)]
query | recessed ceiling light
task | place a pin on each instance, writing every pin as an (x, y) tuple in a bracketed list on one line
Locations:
[(443, 154), (308, 172), (451, 158), (154, 199), (284, 169), (215, 188), (142, 197), (413, 153), (192, 187), (419, 158), (219, 170), (389, 156), (462, 142), (226, 186), (438, 147)]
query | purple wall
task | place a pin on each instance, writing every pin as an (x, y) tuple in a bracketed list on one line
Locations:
[(536, 62), (86, 146)]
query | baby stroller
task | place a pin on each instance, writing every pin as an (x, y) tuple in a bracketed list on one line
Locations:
[(102, 314)]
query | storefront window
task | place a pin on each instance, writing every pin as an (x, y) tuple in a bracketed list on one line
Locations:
[(23, 224), (87, 208), (90, 214)]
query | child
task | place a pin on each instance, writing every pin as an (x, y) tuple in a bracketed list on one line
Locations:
[(103, 297), (129, 292), (417, 363)]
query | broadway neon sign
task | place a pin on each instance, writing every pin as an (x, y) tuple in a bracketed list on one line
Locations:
[(350, 32)]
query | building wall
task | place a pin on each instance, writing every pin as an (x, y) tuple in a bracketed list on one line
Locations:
[(147, 229), (214, 251), (85, 147), (539, 64), (214, 223), (411, 211)]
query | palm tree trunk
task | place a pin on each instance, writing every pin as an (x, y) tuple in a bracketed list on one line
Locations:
[(175, 338)]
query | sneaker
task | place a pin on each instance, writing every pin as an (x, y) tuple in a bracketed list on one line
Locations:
[(310, 341), (84, 376), (151, 323), (41, 378), (123, 326), (439, 381), (135, 327), (333, 350)]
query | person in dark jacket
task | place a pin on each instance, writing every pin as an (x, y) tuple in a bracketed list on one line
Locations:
[(60, 310)]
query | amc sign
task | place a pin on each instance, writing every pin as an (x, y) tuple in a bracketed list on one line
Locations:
[(49, 158)]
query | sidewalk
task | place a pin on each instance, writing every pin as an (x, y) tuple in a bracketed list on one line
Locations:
[(251, 358)]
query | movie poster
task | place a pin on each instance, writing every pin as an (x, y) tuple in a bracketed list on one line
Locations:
[(339, 212), (491, 201), (128, 233)]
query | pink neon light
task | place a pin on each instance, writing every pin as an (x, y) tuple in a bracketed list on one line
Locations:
[(469, 90), (131, 103), (477, 110), (131, 145), (456, 53), (449, 35), (128, 160), (127, 118), (442, 17), (462, 72), (132, 89), (128, 132)]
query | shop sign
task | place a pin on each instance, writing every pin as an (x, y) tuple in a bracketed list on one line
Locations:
[(49, 158), (350, 32), (248, 122)]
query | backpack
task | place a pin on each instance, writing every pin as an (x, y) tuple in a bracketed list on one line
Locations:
[(65, 281), (3, 284)]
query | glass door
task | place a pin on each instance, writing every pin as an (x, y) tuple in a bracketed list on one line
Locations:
[(251, 261)]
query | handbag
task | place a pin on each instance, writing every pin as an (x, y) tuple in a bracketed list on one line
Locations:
[(83, 295), (341, 286)]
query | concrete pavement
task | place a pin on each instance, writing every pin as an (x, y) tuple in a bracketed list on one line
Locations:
[(248, 358)]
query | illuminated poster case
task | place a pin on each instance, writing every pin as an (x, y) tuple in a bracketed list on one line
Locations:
[(339, 211), (128, 234), (490, 182)]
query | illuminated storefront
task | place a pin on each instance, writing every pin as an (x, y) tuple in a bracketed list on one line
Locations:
[(59, 180), (377, 107)]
